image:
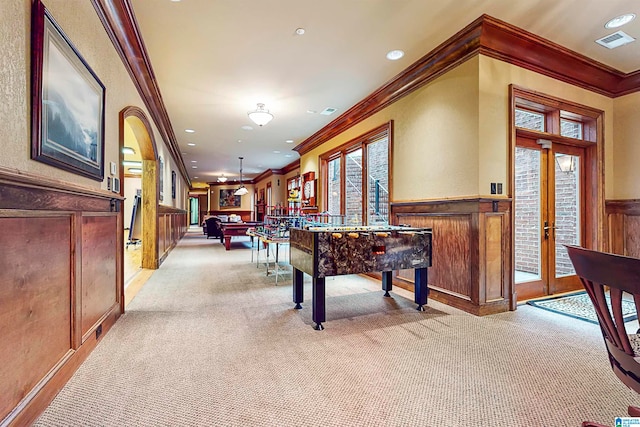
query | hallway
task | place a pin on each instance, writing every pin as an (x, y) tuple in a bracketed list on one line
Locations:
[(211, 341)]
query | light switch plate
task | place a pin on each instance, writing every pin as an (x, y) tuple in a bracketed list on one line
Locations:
[(112, 165)]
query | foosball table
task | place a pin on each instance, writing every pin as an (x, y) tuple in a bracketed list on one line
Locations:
[(333, 251)]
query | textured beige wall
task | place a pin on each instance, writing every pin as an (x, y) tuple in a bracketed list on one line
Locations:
[(80, 23), (495, 77), (626, 131), (435, 152), (451, 138)]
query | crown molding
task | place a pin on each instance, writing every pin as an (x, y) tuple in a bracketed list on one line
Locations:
[(291, 167), (494, 38), (119, 21)]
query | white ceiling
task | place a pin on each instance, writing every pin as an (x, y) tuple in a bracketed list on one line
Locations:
[(214, 60)]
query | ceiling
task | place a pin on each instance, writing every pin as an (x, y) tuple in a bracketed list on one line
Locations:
[(214, 60)]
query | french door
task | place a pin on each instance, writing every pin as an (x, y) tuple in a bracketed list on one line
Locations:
[(549, 213)]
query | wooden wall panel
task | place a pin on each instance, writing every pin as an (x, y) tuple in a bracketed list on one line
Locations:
[(60, 273), (472, 267), (494, 257), (162, 234), (172, 225), (99, 252), (35, 301), (450, 259), (632, 226), (623, 221)]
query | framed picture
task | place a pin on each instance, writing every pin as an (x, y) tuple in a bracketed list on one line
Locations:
[(228, 199), (161, 178), (173, 184), (67, 111)]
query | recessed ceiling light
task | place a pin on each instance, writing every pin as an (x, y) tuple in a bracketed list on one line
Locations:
[(196, 177), (194, 161), (135, 170), (289, 141), (276, 152), (191, 144), (194, 167), (394, 55), (311, 111), (239, 140), (128, 150), (300, 31), (131, 163), (189, 130), (246, 127), (619, 21)]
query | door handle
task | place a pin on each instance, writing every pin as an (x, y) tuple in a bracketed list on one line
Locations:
[(546, 229)]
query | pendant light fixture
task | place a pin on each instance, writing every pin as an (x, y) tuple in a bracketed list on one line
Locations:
[(242, 190), (260, 116)]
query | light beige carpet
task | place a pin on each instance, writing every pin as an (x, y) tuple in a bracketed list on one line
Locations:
[(211, 341)]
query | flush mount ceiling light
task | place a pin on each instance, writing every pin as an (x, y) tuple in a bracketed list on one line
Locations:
[(222, 178), (242, 190), (619, 21), (189, 131), (394, 55), (300, 31), (135, 170), (128, 150), (260, 116)]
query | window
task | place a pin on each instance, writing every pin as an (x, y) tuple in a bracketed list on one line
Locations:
[(571, 128), (333, 187), (356, 178), (353, 183), (529, 120)]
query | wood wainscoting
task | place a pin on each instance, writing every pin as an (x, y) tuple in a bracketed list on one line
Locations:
[(623, 220), (172, 225), (471, 252), (60, 285)]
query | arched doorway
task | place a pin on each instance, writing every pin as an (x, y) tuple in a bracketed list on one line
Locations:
[(135, 120)]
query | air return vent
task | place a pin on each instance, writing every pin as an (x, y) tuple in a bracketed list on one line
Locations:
[(614, 40), (328, 111)]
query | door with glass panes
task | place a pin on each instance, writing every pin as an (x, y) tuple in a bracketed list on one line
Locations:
[(549, 210)]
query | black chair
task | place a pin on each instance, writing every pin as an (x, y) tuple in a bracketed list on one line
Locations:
[(598, 270), (213, 228)]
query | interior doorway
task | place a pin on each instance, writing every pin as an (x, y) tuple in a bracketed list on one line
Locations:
[(549, 213), (194, 211)]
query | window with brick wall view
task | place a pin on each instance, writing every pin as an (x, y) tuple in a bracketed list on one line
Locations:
[(356, 176)]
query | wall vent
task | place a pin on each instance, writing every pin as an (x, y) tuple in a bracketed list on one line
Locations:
[(614, 40)]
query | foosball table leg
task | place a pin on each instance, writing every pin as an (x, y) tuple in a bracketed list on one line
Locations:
[(298, 289), (387, 282), (421, 289), (317, 302)]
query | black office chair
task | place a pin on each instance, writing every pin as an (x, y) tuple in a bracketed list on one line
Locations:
[(213, 228), (598, 270)]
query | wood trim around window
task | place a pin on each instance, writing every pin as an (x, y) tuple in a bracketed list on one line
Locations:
[(359, 142)]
